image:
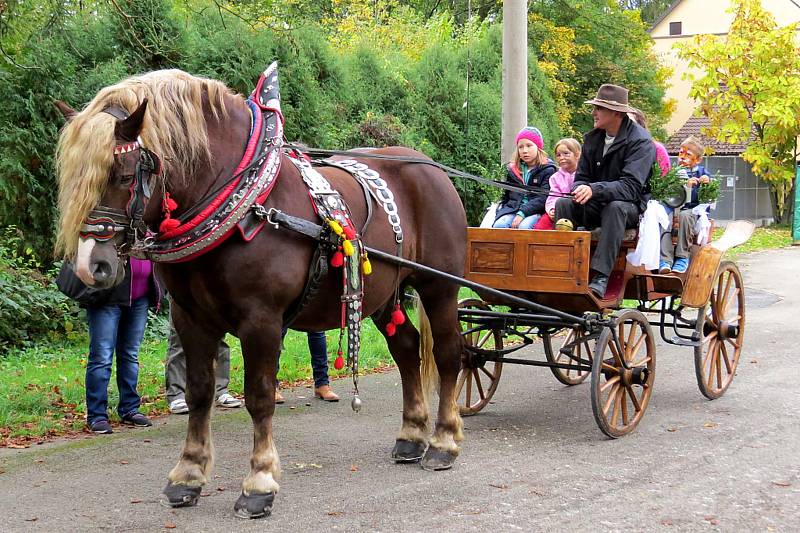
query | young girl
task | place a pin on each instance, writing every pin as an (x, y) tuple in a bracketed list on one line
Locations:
[(568, 151), (529, 166)]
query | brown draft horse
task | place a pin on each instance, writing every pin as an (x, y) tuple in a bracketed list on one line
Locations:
[(198, 128)]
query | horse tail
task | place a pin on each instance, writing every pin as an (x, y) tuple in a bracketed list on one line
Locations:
[(428, 372)]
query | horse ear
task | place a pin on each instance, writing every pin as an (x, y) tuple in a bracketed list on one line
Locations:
[(66, 110), (129, 128)]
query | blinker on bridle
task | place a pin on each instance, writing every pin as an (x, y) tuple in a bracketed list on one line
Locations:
[(103, 222)]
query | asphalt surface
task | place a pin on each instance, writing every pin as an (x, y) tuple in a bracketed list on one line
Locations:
[(533, 460)]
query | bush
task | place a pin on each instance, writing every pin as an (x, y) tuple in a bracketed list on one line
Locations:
[(31, 308)]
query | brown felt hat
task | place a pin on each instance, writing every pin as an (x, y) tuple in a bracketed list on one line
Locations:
[(612, 97)]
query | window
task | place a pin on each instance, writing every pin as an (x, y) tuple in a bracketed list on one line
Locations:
[(675, 28)]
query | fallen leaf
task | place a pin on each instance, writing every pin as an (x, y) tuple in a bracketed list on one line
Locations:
[(136, 500), (335, 513), (353, 468), (753, 361), (123, 462), (666, 522), (170, 525), (147, 440), (39, 461), (221, 489), (710, 425), (498, 485), (32, 519), (672, 430), (711, 520), (782, 483), (205, 494), (307, 465), (16, 446)]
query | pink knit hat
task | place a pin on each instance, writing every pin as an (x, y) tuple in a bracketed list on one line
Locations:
[(532, 134)]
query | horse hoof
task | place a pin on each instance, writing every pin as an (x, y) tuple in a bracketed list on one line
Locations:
[(254, 506), (181, 495), (407, 451), (437, 460)]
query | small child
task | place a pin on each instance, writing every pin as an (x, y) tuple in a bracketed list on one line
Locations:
[(567, 152), (529, 166), (676, 258)]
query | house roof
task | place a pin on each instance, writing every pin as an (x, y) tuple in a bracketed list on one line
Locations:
[(666, 14), (694, 126)]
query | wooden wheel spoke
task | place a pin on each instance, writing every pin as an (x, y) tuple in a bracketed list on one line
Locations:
[(711, 345), (634, 400), (610, 399), (629, 342), (636, 347), (719, 367), (719, 289), (734, 342), (468, 385), (488, 374), (711, 370), (623, 392), (609, 383), (727, 305), (614, 351), (478, 384), (641, 362), (460, 383), (617, 402), (606, 366), (710, 336), (484, 338), (727, 360)]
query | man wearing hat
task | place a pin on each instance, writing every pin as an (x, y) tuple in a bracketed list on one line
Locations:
[(611, 183)]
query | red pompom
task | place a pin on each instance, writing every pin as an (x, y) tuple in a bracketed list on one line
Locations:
[(338, 364), (169, 203), (391, 329), (168, 224), (398, 317), (349, 233), (338, 259)]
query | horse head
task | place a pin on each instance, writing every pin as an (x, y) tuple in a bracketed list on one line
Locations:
[(116, 221)]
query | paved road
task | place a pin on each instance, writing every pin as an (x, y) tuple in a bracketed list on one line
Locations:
[(534, 460)]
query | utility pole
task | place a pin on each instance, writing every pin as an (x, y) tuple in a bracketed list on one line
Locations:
[(515, 72)]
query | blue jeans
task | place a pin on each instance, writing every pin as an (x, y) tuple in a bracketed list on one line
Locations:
[(114, 329), (506, 220), (318, 347)]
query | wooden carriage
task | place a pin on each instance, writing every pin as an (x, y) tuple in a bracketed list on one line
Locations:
[(610, 339)]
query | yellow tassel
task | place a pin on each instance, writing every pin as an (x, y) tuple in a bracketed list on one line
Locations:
[(336, 227), (366, 266), (348, 249)]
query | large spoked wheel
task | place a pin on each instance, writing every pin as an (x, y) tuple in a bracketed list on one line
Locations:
[(720, 325), (477, 384), (620, 395), (579, 352)]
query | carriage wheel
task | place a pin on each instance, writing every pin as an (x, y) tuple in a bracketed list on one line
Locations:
[(476, 386), (580, 351), (720, 324), (619, 395)]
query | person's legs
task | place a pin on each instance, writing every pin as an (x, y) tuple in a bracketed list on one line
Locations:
[(686, 222), (318, 348), (175, 368), (615, 218), (667, 248), (132, 323), (529, 222), (103, 322), (504, 221), (223, 369)]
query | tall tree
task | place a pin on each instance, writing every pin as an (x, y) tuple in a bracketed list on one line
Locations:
[(749, 88)]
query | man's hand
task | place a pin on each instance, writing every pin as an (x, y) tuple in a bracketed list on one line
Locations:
[(516, 222), (582, 194)]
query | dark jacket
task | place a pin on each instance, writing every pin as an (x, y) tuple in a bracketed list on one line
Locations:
[(69, 284), (531, 203), (624, 172)]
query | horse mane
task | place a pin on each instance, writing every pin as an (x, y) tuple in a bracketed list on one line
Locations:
[(174, 128)]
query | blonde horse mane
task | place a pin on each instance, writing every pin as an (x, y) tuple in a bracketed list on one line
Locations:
[(174, 128)]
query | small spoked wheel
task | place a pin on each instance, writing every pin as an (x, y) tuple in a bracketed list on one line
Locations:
[(720, 325), (477, 383), (579, 354), (621, 391)]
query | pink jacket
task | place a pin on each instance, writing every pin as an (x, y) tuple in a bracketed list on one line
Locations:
[(561, 184), (662, 157)]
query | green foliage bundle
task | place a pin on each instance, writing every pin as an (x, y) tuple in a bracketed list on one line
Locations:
[(708, 193), (31, 308), (666, 186)]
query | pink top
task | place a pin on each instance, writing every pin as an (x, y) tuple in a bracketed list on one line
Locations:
[(561, 184), (140, 277), (662, 157)]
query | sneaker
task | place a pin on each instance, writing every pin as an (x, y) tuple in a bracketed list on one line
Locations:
[(680, 266), (664, 267), (598, 285), (137, 420), (227, 400), (178, 407), (101, 426)]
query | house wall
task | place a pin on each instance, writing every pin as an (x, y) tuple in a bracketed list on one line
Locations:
[(701, 17)]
